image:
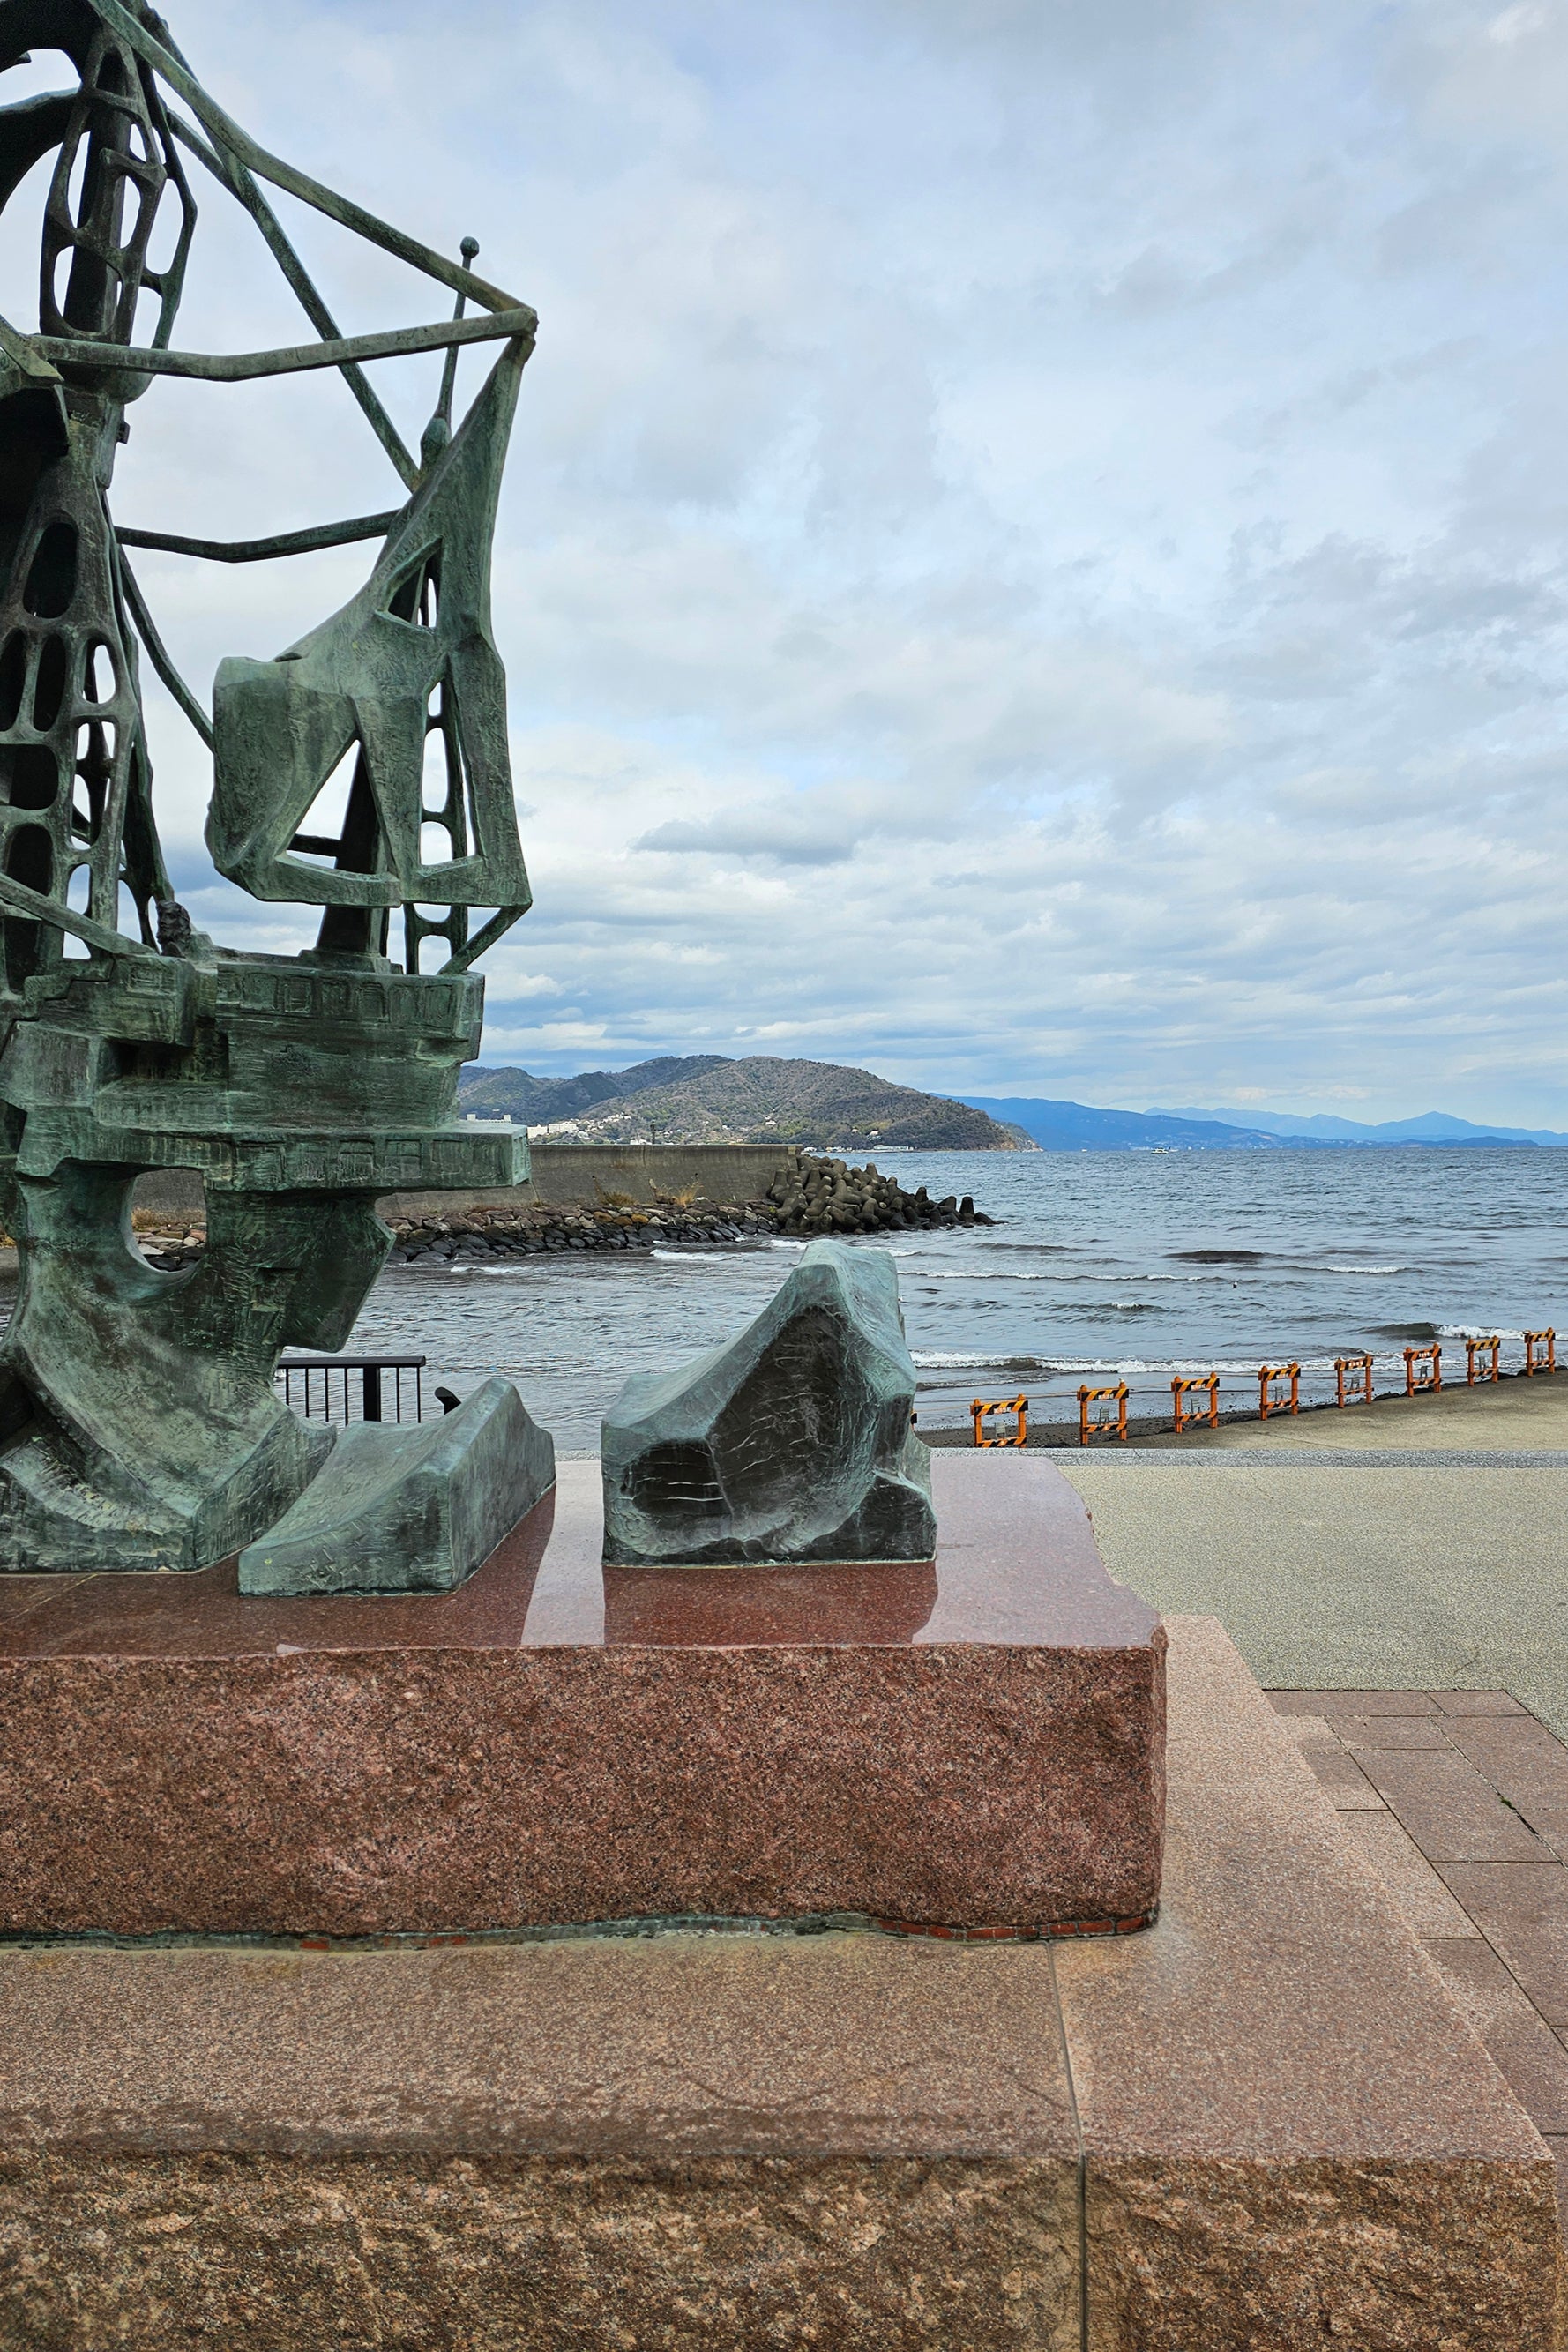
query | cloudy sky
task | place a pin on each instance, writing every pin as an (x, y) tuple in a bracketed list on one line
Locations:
[(1033, 558)]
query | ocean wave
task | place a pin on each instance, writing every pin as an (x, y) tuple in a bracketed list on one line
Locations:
[(1239, 1371), (1365, 1269), (1164, 1368), (1478, 1331), (685, 1258), (1220, 1256), (1001, 1274), (1032, 1249), (784, 1242), (939, 1360), (1127, 1368)]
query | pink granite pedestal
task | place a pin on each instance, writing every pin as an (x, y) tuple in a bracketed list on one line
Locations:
[(973, 1743), (1263, 2126)]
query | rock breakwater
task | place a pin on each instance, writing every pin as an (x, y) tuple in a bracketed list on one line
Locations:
[(809, 1196), (814, 1195), (554, 1231)]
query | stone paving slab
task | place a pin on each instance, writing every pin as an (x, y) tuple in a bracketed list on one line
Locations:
[(1452, 1811), (1521, 1908), (1525, 1763), (1274, 2120), (1367, 1733), (1430, 1908), (1459, 1799)]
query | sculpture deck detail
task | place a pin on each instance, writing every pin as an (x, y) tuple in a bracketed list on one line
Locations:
[(793, 1442), (140, 1427)]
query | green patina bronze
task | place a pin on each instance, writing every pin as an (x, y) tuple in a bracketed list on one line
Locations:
[(139, 1425)]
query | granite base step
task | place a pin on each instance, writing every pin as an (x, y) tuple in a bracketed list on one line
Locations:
[(1263, 2123)]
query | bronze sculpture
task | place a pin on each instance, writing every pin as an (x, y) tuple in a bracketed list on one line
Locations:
[(140, 1427)]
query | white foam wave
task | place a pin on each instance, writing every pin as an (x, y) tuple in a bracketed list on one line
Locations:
[(1139, 1366), (952, 1274), (938, 1359), (1367, 1269), (987, 1273), (685, 1258), (785, 1244)]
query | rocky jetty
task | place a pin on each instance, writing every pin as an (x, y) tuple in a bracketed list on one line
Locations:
[(475, 1233), (555, 1230), (169, 1246), (826, 1196), (809, 1196)]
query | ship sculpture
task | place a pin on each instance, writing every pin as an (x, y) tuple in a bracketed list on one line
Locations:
[(140, 1423)]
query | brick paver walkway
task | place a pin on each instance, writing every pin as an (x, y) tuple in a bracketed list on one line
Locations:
[(1459, 1801)]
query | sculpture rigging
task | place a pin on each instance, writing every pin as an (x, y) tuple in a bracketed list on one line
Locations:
[(139, 1422)]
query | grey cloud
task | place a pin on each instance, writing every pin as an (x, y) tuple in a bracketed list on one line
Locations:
[(1125, 440), (1157, 282), (790, 844)]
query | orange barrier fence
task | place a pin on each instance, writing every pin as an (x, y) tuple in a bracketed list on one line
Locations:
[(1195, 1397), (1019, 1405), (1183, 1415), (1094, 1425)]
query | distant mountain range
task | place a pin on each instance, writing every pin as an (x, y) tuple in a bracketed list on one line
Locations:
[(1078, 1127), (709, 1098), (760, 1098), (1432, 1126)]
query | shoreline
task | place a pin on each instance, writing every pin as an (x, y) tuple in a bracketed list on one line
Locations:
[(808, 1199), (1526, 1404)]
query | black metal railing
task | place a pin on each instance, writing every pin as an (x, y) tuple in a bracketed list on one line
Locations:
[(375, 1390)]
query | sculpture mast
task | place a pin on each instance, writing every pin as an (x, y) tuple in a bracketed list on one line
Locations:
[(139, 1425), (77, 828)]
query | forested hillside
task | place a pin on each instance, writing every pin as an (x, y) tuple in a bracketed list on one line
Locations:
[(706, 1099)]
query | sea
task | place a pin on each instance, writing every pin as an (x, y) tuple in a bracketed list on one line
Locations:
[(1101, 1267)]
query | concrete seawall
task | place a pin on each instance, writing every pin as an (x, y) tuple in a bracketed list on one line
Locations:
[(562, 1171), (585, 1172)]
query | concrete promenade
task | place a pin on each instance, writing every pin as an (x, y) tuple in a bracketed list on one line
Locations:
[(1414, 1544)]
